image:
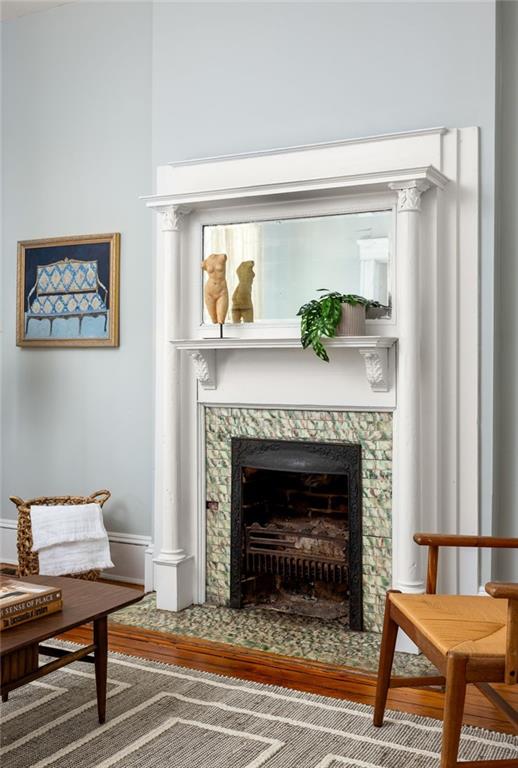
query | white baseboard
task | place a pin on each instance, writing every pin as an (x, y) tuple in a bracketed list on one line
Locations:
[(128, 554), (123, 579), (132, 555)]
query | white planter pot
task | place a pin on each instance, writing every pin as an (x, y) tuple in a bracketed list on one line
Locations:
[(353, 320)]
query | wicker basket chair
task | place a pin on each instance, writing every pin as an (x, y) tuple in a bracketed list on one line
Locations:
[(28, 563)]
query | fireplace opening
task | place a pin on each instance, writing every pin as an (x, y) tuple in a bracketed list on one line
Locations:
[(296, 528)]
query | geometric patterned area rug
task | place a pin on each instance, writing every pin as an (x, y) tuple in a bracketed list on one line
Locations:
[(162, 716), (330, 642)]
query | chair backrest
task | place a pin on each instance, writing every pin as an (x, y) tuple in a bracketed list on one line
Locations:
[(28, 563), (496, 589)]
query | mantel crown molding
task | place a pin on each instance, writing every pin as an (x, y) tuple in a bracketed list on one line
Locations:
[(183, 197), (376, 138)]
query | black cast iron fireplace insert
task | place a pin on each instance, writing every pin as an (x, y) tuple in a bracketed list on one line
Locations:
[(296, 527)]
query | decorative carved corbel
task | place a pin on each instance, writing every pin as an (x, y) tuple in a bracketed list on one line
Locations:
[(376, 368), (204, 366)]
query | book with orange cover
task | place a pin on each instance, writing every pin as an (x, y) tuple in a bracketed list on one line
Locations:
[(21, 601)]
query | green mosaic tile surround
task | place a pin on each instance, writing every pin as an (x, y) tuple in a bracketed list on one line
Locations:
[(372, 430), (330, 642)]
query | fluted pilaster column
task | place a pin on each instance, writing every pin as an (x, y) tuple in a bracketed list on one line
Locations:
[(408, 573), (173, 565)]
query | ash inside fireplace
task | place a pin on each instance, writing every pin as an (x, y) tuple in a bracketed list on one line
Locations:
[(295, 548)]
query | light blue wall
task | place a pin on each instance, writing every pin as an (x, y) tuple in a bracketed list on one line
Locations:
[(76, 153), (506, 305), (96, 95), (233, 77)]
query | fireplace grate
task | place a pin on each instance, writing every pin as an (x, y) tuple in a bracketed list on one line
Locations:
[(273, 549), (296, 528)]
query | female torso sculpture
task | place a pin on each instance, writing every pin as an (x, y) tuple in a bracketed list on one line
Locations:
[(216, 289)]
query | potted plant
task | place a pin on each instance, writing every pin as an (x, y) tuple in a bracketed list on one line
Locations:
[(333, 314)]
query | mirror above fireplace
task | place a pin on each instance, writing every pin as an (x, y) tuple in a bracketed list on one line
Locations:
[(294, 257)]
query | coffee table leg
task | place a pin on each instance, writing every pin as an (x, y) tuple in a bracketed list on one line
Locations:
[(101, 664)]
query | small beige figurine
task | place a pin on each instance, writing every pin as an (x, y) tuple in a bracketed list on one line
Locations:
[(242, 307), (216, 290)]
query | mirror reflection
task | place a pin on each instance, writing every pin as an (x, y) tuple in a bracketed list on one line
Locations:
[(273, 267)]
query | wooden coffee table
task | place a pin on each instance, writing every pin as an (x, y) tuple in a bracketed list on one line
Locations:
[(83, 601)]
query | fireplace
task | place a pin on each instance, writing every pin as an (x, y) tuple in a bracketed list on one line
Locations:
[(258, 382), (296, 528)]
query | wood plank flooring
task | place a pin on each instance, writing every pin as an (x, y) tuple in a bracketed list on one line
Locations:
[(299, 674)]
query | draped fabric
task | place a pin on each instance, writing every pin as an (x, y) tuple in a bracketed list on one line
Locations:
[(241, 242)]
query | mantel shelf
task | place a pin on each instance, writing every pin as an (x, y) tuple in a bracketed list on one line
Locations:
[(373, 349)]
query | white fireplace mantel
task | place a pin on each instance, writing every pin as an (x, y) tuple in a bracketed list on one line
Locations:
[(373, 349), (431, 385), (372, 181)]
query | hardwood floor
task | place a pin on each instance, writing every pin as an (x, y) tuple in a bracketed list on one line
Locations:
[(299, 674)]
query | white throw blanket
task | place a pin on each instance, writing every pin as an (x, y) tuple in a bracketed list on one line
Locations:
[(69, 539)]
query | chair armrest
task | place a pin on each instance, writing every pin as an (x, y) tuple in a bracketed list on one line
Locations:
[(510, 592), (502, 589), (435, 540), (458, 540)]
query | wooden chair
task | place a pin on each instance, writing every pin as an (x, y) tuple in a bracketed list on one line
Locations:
[(28, 563), (470, 639)]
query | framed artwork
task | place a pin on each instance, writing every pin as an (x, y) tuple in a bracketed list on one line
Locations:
[(68, 292)]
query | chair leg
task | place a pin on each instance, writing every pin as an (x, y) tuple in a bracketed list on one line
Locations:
[(388, 645), (453, 709)]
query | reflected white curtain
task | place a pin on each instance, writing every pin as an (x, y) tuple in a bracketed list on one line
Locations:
[(241, 242)]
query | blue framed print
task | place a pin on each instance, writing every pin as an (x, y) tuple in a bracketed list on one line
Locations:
[(68, 292)]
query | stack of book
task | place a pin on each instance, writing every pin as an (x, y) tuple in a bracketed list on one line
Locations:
[(21, 601)]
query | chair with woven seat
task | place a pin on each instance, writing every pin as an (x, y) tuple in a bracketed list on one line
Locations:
[(470, 639), (28, 563)]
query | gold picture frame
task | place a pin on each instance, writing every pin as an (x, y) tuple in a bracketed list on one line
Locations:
[(68, 291)]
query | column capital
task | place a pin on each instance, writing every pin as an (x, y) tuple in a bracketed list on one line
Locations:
[(409, 194), (171, 217)]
